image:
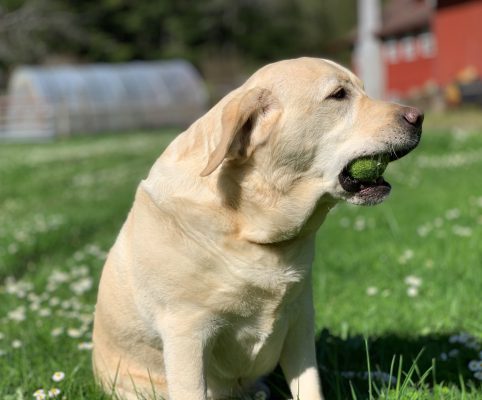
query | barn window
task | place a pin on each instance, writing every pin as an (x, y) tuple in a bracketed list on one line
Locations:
[(391, 51), (408, 48), (427, 44)]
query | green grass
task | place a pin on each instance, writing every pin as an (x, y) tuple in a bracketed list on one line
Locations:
[(62, 204)]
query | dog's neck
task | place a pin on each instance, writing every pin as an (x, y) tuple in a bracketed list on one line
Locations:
[(260, 211), (267, 216), (233, 205)]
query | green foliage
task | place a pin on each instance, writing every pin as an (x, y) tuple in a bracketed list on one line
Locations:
[(120, 30)]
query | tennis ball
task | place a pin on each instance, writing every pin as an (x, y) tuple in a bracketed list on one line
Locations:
[(368, 168)]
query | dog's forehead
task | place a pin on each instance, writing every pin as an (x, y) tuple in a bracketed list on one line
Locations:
[(343, 74), (313, 73)]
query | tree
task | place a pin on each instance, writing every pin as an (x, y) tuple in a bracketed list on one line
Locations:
[(32, 30)]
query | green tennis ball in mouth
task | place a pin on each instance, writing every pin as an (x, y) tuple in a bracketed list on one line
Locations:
[(368, 168)]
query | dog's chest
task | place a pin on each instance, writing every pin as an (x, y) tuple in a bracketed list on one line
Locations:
[(249, 345)]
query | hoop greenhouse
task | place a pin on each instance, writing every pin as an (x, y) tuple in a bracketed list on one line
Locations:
[(53, 101)]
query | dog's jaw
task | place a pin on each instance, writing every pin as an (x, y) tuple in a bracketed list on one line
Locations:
[(279, 218)]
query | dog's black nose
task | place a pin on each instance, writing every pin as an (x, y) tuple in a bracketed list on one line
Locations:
[(413, 116)]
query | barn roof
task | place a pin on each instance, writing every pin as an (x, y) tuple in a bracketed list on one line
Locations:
[(448, 3), (402, 16)]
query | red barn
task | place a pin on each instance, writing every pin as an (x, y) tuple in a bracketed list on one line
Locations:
[(425, 42)]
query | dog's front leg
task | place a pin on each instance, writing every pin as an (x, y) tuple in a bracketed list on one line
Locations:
[(184, 358), (298, 359)]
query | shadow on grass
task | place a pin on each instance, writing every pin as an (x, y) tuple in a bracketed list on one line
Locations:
[(344, 368)]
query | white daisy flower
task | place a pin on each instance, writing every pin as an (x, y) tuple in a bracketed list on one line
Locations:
[(452, 213), (454, 339), (85, 346), (423, 230), (475, 365), (58, 376), (59, 276), (66, 304), (371, 291), (413, 280), (12, 248), (412, 291), (39, 394), (464, 337), (463, 231), (360, 224), (478, 375), (17, 314), (54, 301), (33, 297), (454, 353), (74, 333), (16, 344), (406, 256), (57, 332), (80, 271), (54, 392), (45, 312), (81, 286)]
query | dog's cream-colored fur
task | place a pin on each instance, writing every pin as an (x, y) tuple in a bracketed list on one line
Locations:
[(208, 285)]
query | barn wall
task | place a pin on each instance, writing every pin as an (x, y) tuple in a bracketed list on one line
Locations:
[(459, 33), (404, 75)]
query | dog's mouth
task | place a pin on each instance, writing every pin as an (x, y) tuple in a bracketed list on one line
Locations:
[(370, 191), (354, 185), (373, 189)]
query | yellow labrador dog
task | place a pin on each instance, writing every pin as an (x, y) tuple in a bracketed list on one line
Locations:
[(208, 285)]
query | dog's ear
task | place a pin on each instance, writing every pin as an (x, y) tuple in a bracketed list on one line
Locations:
[(246, 122)]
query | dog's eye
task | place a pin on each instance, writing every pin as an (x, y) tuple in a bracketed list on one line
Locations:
[(338, 94)]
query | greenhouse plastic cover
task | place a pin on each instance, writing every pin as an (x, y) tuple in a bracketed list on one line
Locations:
[(64, 100)]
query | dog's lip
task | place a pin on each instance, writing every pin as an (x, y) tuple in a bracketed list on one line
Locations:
[(372, 192), (396, 154), (352, 185)]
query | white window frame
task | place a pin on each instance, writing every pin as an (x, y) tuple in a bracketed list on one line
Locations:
[(391, 51), (409, 50), (427, 44)]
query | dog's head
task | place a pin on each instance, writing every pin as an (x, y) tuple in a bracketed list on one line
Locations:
[(309, 119)]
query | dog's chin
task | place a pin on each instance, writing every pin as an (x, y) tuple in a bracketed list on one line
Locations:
[(370, 196), (366, 193), (363, 192), (370, 192)]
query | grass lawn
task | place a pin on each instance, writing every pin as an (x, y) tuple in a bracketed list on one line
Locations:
[(401, 280)]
